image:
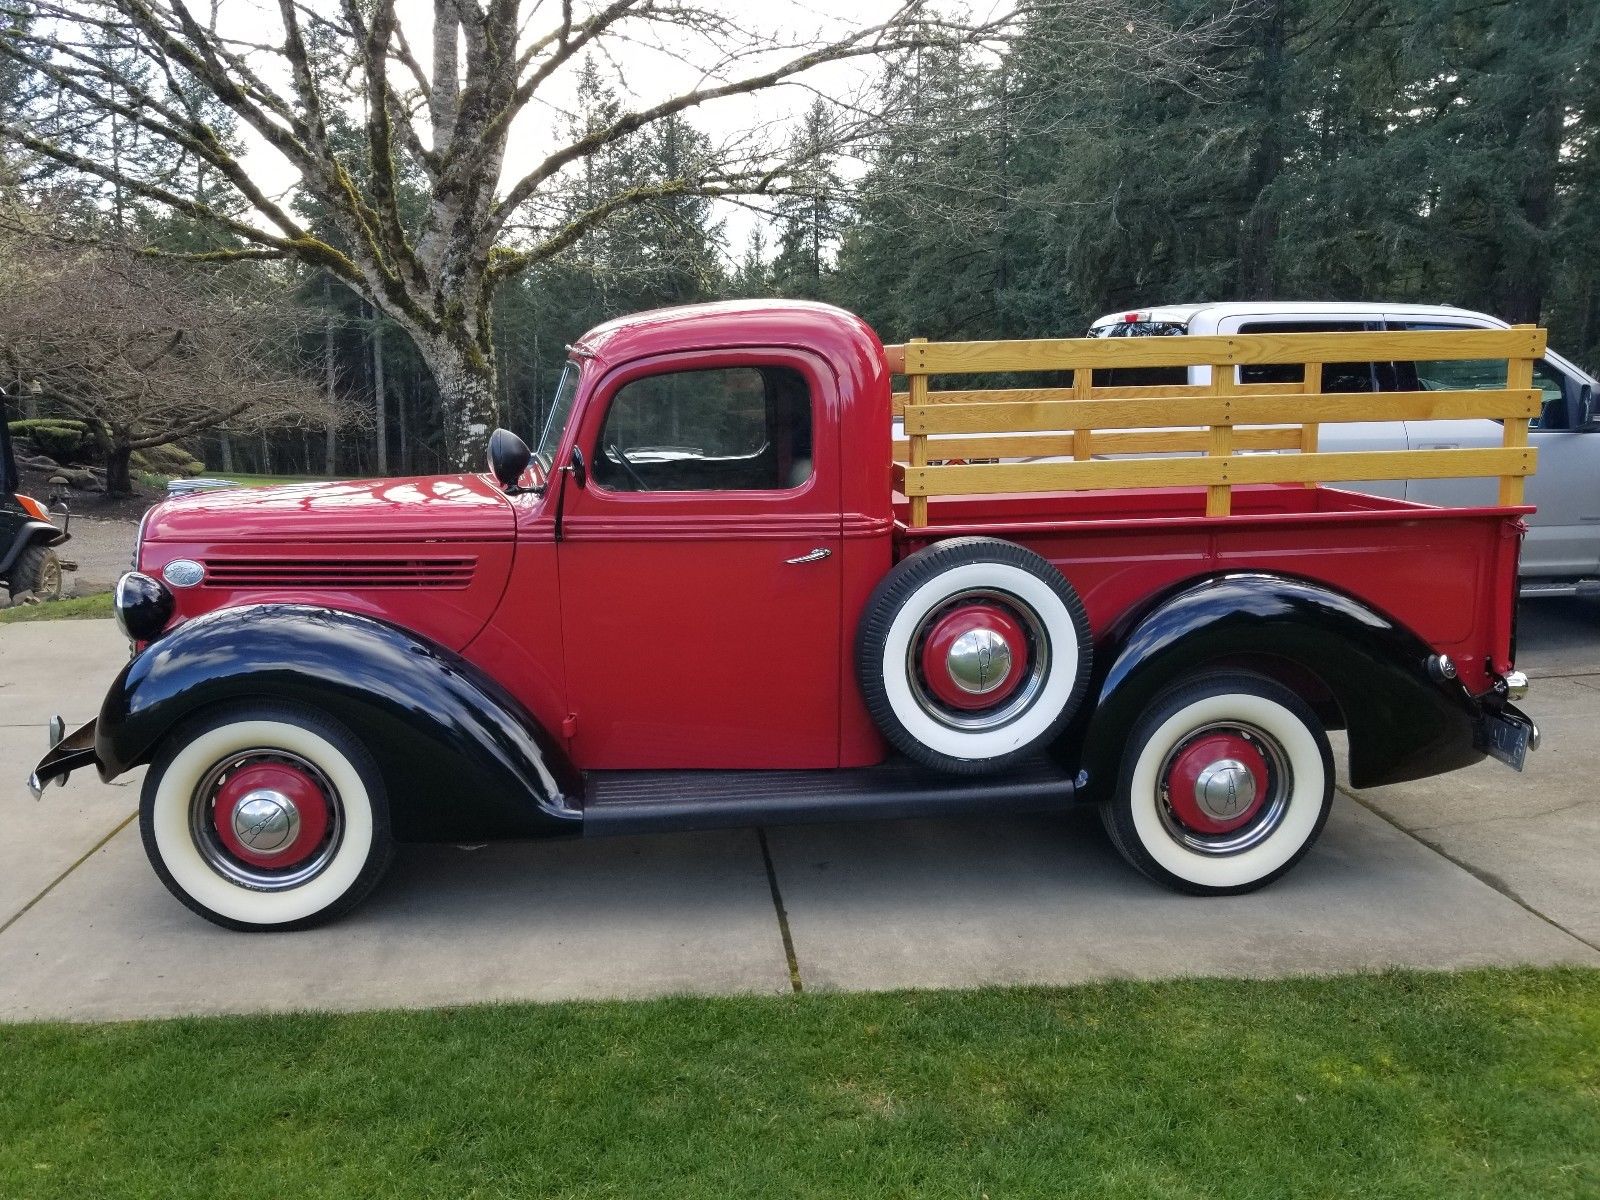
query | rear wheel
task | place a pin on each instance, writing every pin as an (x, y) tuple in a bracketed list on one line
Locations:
[(1226, 782), (37, 570), (266, 817)]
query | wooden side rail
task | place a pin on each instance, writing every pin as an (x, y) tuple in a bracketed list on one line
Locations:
[(1226, 420)]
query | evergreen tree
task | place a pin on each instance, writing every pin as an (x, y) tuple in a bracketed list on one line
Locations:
[(811, 213)]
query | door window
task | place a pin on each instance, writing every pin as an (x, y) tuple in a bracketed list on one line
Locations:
[(1336, 377), (724, 429), (1482, 375)]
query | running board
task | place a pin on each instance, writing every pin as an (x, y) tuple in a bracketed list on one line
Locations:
[(619, 802), (1540, 588)]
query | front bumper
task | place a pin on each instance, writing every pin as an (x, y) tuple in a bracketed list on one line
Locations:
[(66, 754)]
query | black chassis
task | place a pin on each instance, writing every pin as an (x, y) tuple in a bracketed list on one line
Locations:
[(463, 760)]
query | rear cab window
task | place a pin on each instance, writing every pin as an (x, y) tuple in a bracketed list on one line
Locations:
[(1336, 377), (1140, 376)]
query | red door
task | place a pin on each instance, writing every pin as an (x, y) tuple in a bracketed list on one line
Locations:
[(699, 565)]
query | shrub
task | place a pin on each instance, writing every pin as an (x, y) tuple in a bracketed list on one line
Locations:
[(168, 460), (64, 440)]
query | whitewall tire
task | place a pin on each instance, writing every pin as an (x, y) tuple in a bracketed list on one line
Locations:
[(265, 816), (1226, 782), (973, 653)]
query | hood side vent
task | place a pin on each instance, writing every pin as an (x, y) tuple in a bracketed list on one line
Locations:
[(341, 574)]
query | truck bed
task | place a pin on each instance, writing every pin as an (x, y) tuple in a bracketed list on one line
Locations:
[(1443, 572)]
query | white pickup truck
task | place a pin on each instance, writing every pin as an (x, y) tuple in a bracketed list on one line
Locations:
[(1561, 556)]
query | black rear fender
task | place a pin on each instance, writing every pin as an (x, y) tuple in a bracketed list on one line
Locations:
[(461, 759), (1354, 666)]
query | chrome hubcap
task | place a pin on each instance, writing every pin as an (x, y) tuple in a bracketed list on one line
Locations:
[(1225, 789), (1248, 804), (288, 840), (266, 821), (997, 676), (979, 662)]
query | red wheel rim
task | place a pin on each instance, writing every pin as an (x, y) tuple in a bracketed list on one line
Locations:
[(1218, 783), (271, 814), (975, 657)]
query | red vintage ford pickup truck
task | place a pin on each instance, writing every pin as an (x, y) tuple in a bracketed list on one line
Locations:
[(710, 595)]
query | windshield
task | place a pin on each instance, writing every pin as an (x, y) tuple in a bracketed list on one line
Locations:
[(556, 422)]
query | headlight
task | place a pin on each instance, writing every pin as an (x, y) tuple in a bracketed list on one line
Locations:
[(143, 606)]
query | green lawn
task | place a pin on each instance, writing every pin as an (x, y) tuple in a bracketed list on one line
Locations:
[(1485, 1084), (267, 480), (59, 610), (159, 482)]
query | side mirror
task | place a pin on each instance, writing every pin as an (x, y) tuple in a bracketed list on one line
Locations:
[(509, 457), (1587, 417), (579, 468)]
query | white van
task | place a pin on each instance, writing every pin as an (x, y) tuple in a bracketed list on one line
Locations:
[(1561, 556)]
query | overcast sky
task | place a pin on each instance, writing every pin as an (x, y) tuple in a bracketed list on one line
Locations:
[(646, 73)]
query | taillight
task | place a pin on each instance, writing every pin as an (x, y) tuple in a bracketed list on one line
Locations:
[(33, 508)]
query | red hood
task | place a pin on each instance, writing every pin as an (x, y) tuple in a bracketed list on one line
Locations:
[(462, 507)]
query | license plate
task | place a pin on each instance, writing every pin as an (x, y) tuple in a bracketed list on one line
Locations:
[(1505, 739)]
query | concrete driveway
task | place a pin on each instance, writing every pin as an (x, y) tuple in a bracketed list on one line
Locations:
[(1475, 868)]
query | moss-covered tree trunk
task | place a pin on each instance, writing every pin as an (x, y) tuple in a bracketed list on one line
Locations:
[(119, 471), (462, 363), (114, 444)]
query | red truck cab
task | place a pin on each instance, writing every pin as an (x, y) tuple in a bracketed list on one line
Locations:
[(700, 600)]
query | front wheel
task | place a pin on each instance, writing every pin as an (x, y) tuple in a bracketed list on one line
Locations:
[(1226, 782), (37, 571), (266, 817)]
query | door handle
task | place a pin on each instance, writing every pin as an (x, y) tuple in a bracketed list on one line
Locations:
[(817, 555)]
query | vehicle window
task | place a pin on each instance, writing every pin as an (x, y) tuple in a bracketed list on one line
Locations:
[(1140, 376), (1486, 375), (732, 428), (1336, 377), (560, 411)]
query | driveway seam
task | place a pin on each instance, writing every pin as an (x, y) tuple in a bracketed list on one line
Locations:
[(1520, 816), (783, 915), (85, 857), (1487, 878)]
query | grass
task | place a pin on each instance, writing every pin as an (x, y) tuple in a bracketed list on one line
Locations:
[(1399, 1085), (267, 480), (72, 608), (159, 482)]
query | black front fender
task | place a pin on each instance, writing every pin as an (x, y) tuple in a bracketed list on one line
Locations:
[(27, 534), (461, 758), (1402, 723)]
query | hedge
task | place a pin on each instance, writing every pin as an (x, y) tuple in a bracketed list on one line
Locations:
[(63, 440)]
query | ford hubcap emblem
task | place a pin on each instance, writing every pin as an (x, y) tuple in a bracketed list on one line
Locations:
[(1225, 789), (979, 661), (266, 821)]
